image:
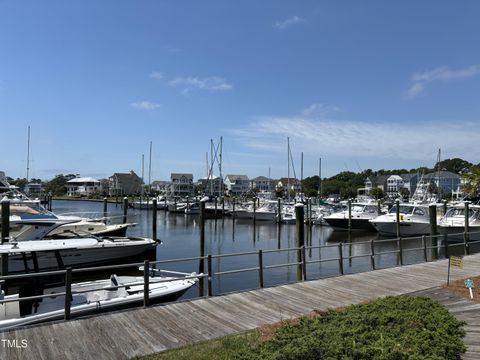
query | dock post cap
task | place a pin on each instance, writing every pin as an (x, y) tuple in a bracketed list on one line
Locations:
[(299, 205)]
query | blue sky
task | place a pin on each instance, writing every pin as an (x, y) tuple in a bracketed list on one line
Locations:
[(361, 84)]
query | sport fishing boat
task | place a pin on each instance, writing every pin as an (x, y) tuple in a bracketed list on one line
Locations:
[(414, 220), (453, 222), (361, 214)]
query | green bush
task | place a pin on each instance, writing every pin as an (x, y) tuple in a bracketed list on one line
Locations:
[(392, 328)]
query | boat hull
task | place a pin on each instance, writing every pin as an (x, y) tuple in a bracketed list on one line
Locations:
[(406, 229), (80, 257), (357, 224)]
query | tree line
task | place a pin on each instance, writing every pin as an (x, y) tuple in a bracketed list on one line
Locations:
[(344, 184)]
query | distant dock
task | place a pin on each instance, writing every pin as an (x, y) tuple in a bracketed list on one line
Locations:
[(125, 334)]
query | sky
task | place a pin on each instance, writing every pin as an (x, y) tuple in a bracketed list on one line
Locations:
[(367, 84)]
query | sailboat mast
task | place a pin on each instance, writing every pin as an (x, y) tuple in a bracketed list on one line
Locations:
[(301, 176), (220, 166), (320, 178), (28, 154), (288, 169), (150, 170), (143, 171)]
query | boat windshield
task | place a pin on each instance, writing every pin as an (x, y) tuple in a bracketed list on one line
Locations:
[(30, 211), (358, 208), (404, 209), (458, 212)]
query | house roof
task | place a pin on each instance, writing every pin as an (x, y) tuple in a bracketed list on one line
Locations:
[(177, 175), (378, 180), (408, 176), (126, 177), (441, 174), (261, 178), (82, 180), (236, 177)]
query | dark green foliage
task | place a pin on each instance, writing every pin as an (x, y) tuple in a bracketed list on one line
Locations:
[(57, 186), (346, 183), (392, 328), (454, 165)]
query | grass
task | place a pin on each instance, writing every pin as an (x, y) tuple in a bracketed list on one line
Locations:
[(395, 328)]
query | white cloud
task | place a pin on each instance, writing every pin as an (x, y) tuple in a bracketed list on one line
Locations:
[(284, 24), (145, 105), (156, 75), (405, 141), (419, 80), (320, 109), (213, 83)]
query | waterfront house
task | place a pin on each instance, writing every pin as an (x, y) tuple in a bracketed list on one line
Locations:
[(373, 182), (410, 182), (284, 183), (394, 184), (82, 186), (262, 184), (237, 185), (125, 184), (180, 185), (445, 182), (212, 185), (33, 189)]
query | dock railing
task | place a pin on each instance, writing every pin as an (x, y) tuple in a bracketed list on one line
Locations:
[(438, 242)]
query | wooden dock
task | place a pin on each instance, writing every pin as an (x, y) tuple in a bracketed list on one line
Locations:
[(125, 334)]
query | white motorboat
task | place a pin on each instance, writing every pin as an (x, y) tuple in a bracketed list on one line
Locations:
[(453, 222), (361, 214), (414, 220), (266, 212), (75, 252), (30, 221), (87, 297)]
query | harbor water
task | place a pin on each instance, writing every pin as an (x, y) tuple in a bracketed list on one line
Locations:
[(180, 237)]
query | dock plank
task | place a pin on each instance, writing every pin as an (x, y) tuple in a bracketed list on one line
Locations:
[(142, 331)]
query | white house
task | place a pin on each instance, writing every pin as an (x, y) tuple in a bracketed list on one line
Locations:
[(181, 185), (82, 186), (237, 185)]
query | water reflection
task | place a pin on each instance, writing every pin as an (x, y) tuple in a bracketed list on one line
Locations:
[(180, 235)]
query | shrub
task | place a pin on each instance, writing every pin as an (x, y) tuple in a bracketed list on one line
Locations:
[(392, 328)]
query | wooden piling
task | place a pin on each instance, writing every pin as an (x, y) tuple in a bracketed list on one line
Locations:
[(105, 210), (260, 268), (68, 292), (349, 215), (201, 267), (397, 203), (146, 283), (254, 210), (5, 235), (154, 219), (125, 209), (279, 211), (432, 211), (467, 228), (300, 237)]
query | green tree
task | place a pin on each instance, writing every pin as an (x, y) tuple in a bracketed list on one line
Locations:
[(472, 181), (57, 186), (455, 165), (377, 193)]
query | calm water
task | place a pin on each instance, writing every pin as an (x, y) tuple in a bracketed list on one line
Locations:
[(180, 236)]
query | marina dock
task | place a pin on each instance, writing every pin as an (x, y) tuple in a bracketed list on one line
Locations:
[(142, 331)]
